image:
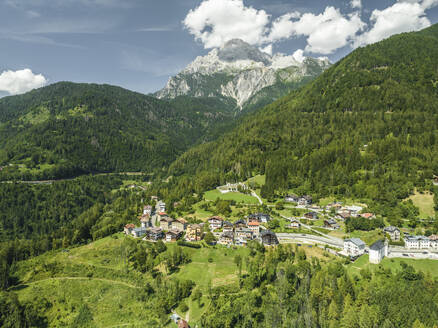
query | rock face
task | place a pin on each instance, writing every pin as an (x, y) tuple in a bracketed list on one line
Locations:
[(238, 72)]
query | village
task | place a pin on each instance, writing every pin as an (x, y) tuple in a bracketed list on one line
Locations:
[(155, 224)]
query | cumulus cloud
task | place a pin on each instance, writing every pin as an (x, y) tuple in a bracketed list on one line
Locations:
[(403, 16), (283, 27), (215, 22), (356, 4), (267, 49), (21, 81), (327, 31), (299, 55)]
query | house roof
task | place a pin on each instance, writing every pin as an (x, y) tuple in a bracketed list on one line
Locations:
[(378, 245), (311, 214), (182, 220), (433, 237), (228, 223), (194, 226), (331, 221), (417, 238), (358, 242), (254, 223), (240, 221), (367, 215), (130, 226), (162, 213), (227, 234), (217, 218), (183, 324), (391, 229), (145, 218), (266, 233), (167, 219)]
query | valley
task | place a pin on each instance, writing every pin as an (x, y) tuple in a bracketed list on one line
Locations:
[(254, 190)]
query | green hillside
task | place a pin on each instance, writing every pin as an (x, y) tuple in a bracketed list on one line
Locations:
[(66, 129), (366, 129)]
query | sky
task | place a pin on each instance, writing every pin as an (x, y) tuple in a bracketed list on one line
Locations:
[(139, 44)]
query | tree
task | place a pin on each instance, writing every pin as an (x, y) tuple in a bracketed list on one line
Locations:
[(209, 238)]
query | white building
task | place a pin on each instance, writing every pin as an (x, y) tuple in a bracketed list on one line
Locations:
[(433, 241), (354, 246), (354, 210), (161, 206), (417, 242), (393, 232), (378, 251)]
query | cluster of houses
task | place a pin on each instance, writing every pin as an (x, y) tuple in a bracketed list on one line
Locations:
[(242, 231), (421, 242), (157, 225), (413, 242), (355, 247), (345, 212), (304, 200)]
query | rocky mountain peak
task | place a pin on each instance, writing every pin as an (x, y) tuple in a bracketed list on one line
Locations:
[(239, 71), (237, 49)]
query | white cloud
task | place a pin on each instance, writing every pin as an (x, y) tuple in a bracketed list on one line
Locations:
[(267, 49), (403, 16), (21, 81), (328, 31), (283, 27), (215, 22), (299, 55), (356, 4)]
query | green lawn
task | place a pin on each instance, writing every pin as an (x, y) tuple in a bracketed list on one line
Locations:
[(425, 203), (238, 197), (427, 266), (259, 179), (369, 237), (221, 271)]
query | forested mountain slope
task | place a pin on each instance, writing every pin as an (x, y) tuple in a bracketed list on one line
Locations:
[(67, 129), (367, 127)]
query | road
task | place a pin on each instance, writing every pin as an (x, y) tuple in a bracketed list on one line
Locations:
[(334, 240), (412, 253), (253, 193), (305, 238), (69, 179)]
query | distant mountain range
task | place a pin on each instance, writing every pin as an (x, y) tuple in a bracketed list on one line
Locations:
[(242, 76)]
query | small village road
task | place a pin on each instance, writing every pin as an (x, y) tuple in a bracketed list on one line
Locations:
[(305, 238)]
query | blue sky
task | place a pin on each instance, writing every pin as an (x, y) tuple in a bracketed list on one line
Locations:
[(138, 44)]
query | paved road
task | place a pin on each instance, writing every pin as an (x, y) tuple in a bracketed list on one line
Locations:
[(335, 240), (69, 179), (305, 238), (412, 253)]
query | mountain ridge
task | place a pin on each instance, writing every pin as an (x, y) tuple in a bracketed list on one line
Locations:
[(366, 128), (238, 72)]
